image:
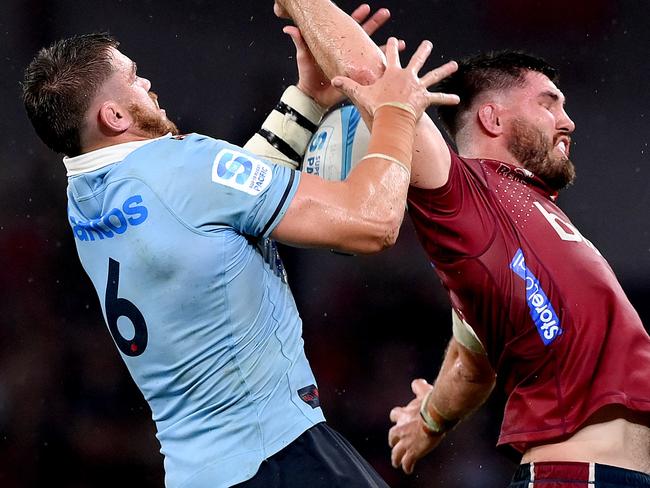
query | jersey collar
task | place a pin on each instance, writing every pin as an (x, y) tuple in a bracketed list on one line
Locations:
[(523, 175), (97, 159)]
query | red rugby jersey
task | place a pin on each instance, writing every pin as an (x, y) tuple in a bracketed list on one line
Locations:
[(556, 324)]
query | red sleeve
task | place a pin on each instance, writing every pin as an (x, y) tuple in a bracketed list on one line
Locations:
[(455, 220)]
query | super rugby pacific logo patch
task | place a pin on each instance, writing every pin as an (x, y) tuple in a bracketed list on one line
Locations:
[(541, 309), (241, 172)]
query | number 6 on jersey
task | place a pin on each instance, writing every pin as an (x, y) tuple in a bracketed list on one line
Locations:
[(120, 307)]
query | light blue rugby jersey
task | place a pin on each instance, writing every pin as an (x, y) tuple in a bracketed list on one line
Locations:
[(207, 327)]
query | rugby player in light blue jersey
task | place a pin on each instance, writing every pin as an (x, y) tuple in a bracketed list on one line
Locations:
[(174, 232)]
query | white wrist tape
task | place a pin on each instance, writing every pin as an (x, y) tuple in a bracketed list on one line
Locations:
[(432, 426), (287, 130), (388, 158)]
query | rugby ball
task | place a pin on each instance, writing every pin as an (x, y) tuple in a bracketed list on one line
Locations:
[(337, 146)]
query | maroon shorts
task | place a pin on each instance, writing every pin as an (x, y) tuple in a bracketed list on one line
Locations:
[(576, 475)]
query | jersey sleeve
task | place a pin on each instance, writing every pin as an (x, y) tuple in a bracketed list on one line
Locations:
[(209, 183), (454, 221)]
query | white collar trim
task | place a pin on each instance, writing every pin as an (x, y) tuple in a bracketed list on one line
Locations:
[(97, 159)]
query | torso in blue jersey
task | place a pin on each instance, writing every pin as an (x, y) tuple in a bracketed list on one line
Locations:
[(174, 236)]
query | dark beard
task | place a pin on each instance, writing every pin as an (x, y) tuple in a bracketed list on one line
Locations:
[(153, 124), (533, 150)]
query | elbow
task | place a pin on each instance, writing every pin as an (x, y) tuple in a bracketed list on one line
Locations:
[(380, 235), (374, 213), (365, 74), (484, 379), (469, 367), (378, 243), (471, 374), (391, 231)]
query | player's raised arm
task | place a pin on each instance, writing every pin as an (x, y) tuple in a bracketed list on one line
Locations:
[(343, 48), (285, 133), (363, 213)]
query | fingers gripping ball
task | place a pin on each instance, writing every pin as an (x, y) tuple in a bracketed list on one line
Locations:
[(337, 146)]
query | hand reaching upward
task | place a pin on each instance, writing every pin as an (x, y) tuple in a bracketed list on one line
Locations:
[(311, 79), (401, 86)]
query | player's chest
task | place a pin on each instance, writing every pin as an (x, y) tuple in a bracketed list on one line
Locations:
[(532, 223)]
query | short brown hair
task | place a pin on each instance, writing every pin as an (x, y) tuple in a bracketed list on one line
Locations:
[(492, 71), (59, 85)]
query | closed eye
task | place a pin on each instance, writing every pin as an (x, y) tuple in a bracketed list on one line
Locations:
[(550, 99)]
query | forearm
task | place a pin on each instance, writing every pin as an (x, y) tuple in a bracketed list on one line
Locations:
[(464, 383), (364, 218), (338, 43), (379, 195), (341, 47), (285, 133), (363, 213)]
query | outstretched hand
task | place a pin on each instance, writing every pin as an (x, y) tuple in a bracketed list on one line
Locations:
[(311, 79), (408, 438), (400, 85)]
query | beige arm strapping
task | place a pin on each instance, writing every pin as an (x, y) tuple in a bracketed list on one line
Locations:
[(283, 137), (465, 335)]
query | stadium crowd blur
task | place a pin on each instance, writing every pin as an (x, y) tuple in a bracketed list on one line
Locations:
[(70, 416)]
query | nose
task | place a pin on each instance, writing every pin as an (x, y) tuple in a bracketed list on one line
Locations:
[(145, 83), (565, 124)]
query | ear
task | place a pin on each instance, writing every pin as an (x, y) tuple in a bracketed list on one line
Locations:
[(113, 118), (489, 116)]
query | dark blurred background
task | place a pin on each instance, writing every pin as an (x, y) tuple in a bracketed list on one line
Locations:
[(69, 413)]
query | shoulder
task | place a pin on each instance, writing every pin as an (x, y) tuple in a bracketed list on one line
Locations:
[(461, 171), (173, 161), (170, 152), (206, 181)]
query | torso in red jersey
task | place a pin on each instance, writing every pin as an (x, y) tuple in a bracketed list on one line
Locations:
[(556, 324)]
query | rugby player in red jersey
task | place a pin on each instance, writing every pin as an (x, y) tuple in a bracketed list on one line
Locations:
[(534, 302)]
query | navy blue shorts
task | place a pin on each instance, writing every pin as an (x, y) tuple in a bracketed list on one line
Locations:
[(576, 475), (319, 458)]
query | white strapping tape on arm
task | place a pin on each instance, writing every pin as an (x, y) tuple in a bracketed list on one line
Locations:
[(465, 335), (287, 130)]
